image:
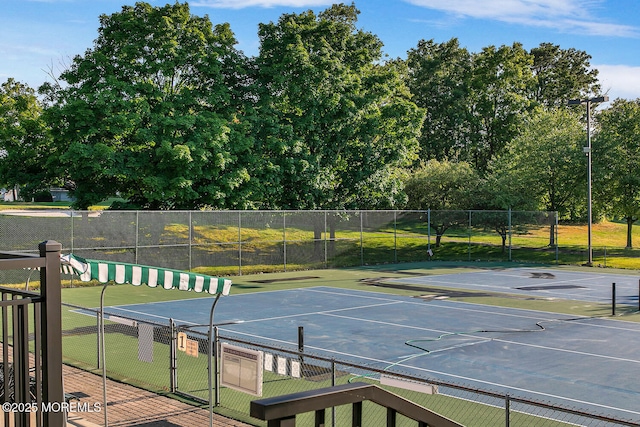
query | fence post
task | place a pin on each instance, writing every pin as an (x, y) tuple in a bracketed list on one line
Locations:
[(284, 239), (469, 232), (190, 241), (71, 238), (326, 248), (173, 357), (507, 407), (509, 221), (239, 243), (429, 232), (361, 240), (333, 384), (137, 236), (395, 237), (556, 239), (103, 357)]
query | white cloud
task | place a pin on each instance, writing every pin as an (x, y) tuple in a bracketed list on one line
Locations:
[(241, 4), (564, 15), (503, 9), (619, 81)]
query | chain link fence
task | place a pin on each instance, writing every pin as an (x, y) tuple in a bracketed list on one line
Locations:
[(237, 242), (148, 354)]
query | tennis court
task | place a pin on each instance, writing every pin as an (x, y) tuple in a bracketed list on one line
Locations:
[(543, 283), (587, 363)]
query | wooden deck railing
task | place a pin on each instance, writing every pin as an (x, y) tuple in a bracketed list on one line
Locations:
[(281, 411)]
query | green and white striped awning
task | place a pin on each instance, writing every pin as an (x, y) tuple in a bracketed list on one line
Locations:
[(135, 274)]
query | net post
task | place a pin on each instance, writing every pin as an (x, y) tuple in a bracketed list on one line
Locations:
[(613, 299), (301, 343)]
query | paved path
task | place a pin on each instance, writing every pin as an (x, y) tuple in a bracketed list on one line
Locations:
[(131, 406)]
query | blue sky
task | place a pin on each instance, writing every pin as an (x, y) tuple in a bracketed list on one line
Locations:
[(37, 36)]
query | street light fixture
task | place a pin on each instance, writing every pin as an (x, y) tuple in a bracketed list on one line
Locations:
[(587, 151)]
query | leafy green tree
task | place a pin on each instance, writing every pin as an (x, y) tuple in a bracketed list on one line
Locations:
[(439, 77), (24, 141), (501, 85), (151, 112), (616, 154), (543, 168), (474, 102), (446, 188), (335, 125), (562, 74)]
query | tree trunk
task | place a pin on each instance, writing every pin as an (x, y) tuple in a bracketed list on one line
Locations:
[(630, 221), (552, 235)]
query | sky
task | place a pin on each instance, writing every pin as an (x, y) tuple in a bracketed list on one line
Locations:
[(39, 37)]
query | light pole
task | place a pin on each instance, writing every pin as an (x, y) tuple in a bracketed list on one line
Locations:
[(587, 151)]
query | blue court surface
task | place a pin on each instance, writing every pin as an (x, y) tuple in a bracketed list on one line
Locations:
[(542, 283), (587, 363)]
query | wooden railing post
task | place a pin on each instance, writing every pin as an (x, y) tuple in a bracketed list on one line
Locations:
[(51, 315), (356, 415)]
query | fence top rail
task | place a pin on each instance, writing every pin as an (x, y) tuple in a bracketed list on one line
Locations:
[(239, 211)]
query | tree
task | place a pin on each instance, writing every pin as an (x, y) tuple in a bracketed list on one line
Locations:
[(445, 188), (617, 161), (501, 87), (544, 164), (24, 141), (439, 77), (335, 125), (474, 102), (151, 112), (562, 74)]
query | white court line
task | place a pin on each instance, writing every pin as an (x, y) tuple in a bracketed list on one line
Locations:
[(475, 334), (343, 294), (492, 286), (266, 319), (459, 377), (450, 305), (524, 282), (140, 313), (581, 353), (535, 314), (524, 390)]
